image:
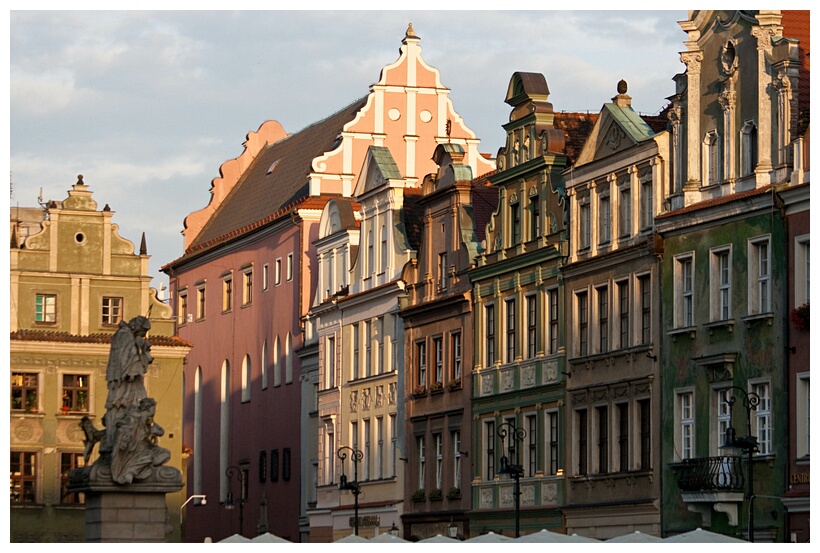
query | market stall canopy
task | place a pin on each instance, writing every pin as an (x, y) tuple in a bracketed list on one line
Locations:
[(699, 535), (635, 537)]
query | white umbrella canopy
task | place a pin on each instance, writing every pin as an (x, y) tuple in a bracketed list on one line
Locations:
[(438, 538), (635, 537), (489, 537), (351, 538), (545, 536), (267, 537), (699, 535), (387, 538), (236, 538)]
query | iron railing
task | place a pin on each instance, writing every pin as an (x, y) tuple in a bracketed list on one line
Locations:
[(711, 474)]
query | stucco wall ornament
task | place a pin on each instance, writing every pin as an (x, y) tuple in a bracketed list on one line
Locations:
[(129, 448)]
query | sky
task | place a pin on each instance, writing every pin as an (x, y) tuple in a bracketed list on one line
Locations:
[(147, 105)]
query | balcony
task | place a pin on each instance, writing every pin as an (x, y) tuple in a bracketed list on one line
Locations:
[(712, 483)]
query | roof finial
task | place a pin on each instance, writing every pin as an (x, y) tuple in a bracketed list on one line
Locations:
[(410, 33), (143, 247), (622, 87), (80, 179)]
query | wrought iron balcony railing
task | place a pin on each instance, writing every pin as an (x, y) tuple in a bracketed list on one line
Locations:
[(711, 474)]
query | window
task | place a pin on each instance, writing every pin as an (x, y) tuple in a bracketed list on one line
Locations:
[(604, 219), (801, 270), (264, 360), (277, 363), (489, 448), (263, 466), (420, 445), (368, 348), (583, 323), (111, 310), (438, 347), (274, 462), (247, 286), (489, 324), (68, 462), (581, 433), (45, 308), (684, 291), (515, 224), (686, 402), (532, 326), (394, 442), (285, 465), (227, 294), (265, 277), (354, 434), (442, 271), (200, 302), (723, 418), (763, 419), (647, 205), (535, 218), (603, 319), (355, 328), (553, 319), (384, 256), (456, 439), (23, 475), (421, 363), (552, 441), (711, 162), (371, 255), (380, 447), (721, 284), (760, 276), (646, 308), (748, 148), (645, 453), (624, 207), (290, 267), (803, 418), (584, 228), (532, 436), (603, 439), (366, 449), (330, 361), (182, 306), (623, 312), (329, 457), (75, 393), (455, 341), (439, 459), (512, 337), (246, 379), (24, 392), (380, 341), (288, 358), (277, 277), (623, 436)]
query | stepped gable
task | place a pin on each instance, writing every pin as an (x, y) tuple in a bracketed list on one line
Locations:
[(277, 178), (576, 127)]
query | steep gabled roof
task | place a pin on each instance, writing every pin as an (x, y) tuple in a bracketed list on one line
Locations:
[(276, 178), (576, 127)]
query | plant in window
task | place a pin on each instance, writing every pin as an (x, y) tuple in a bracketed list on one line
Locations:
[(454, 493), (454, 384), (419, 390), (800, 317), (418, 495), (435, 494), (65, 409), (436, 386)]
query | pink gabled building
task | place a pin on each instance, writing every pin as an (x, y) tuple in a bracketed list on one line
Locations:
[(248, 277)]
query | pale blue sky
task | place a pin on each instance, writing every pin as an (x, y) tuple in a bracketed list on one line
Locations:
[(148, 104)]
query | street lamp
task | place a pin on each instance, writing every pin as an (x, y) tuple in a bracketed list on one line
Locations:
[(747, 443), (356, 455), (515, 434), (230, 472), (196, 496), (394, 530)]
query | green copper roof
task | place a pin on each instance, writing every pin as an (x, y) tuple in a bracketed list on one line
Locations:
[(385, 162), (631, 122)]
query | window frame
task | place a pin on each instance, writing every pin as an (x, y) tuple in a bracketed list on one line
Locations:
[(107, 318), (45, 311), (720, 283), (247, 286), (73, 404), (227, 293), (29, 464), (760, 276), (684, 308), (201, 299), (27, 405)]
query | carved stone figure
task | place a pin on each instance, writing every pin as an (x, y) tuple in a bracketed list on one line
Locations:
[(135, 450)]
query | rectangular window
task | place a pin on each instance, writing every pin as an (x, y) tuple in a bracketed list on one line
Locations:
[(371, 254), (439, 459), (438, 347), (511, 331), (624, 209), (583, 324), (45, 308), (442, 271), (384, 255), (24, 392), (646, 308), (687, 424), (265, 277), (380, 341), (68, 462), (227, 294), (354, 434), (763, 418), (456, 439), (421, 364), (647, 208), (552, 440), (489, 448), (366, 463), (515, 224), (553, 299), (803, 418), (535, 218), (111, 310), (712, 143), (277, 277), (263, 466), (274, 462), (721, 285), (760, 277), (394, 442), (532, 436), (603, 319), (604, 219), (380, 447), (330, 459), (355, 328), (368, 347), (330, 357), (290, 267), (455, 340), (724, 416), (645, 453), (623, 437), (532, 326), (23, 475), (623, 313), (247, 287), (603, 439), (584, 226), (285, 466), (75, 393), (581, 422), (489, 325), (200, 302), (182, 307), (684, 292), (420, 446)]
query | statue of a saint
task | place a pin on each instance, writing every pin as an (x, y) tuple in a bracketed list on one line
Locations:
[(135, 449)]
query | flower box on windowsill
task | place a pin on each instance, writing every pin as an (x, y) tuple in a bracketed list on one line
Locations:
[(419, 391), (454, 493), (436, 495), (418, 496), (436, 388), (454, 385), (800, 317)]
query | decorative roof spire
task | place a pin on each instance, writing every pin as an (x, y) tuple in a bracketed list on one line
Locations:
[(622, 100), (143, 247), (410, 35)]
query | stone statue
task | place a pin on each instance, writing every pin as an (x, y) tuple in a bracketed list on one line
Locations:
[(135, 449)]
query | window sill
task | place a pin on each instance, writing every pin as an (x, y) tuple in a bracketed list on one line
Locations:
[(727, 323), (758, 317), (244, 305), (73, 414), (675, 332), (224, 311)]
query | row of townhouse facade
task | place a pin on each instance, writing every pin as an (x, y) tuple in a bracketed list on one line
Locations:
[(585, 308)]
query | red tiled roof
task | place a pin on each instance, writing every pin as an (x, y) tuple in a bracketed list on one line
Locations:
[(485, 201), (717, 201), (576, 127), (27, 335)]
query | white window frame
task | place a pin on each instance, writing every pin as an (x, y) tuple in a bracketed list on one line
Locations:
[(277, 272), (247, 285), (604, 218), (762, 427), (112, 314), (421, 460), (201, 301), (227, 293), (438, 348), (584, 224), (684, 309), (803, 422), (510, 330), (685, 423), (760, 275), (720, 283), (721, 415), (455, 341), (455, 437), (439, 444), (802, 271)]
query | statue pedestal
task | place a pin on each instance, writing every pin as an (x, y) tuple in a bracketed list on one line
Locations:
[(118, 513)]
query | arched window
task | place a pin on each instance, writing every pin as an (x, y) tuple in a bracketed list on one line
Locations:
[(748, 148), (246, 378), (197, 441), (288, 359), (224, 429), (277, 363), (711, 158), (265, 365)]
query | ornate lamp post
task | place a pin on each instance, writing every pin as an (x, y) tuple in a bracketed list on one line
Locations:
[(230, 472), (509, 430), (747, 443), (356, 455)]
